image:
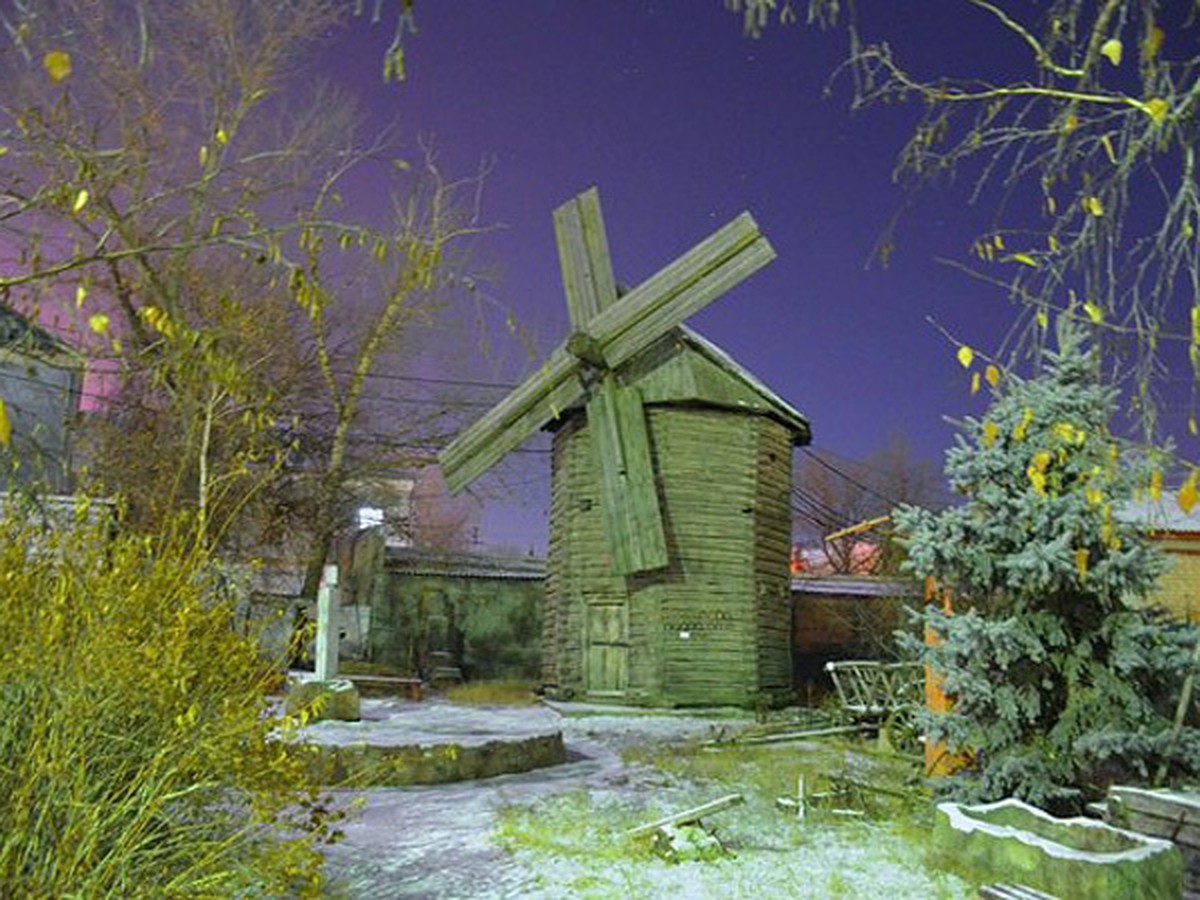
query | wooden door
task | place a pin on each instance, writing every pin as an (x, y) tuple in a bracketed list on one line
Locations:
[(607, 649)]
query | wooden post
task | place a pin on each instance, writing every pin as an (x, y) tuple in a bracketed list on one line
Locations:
[(328, 601), (938, 759)]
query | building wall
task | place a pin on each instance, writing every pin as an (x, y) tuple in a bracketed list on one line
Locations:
[(1179, 589), (489, 625), (846, 617), (41, 400), (712, 627)]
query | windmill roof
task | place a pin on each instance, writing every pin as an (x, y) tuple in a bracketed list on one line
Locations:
[(785, 411), (684, 367), (1163, 514)]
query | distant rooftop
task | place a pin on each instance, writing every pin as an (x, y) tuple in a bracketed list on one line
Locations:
[(470, 565), (17, 330), (1163, 514)]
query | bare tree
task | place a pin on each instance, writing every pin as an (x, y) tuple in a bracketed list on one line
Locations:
[(174, 171), (1089, 154), (834, 494)]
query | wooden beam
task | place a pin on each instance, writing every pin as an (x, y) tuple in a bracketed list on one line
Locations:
[(540, 399), (584, 258), (682, 288), (688, 815), (633, 522)]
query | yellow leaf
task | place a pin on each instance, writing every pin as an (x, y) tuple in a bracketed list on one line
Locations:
[(1052, 243), (1157, 109), (1051, 206), (1081, 561), (1025, 258), (992, 374), (990, 430), (116, 345), (57, 64), (3, 150), (1095, 313), (80, 295), (1108, 149), (1041, 460), (1186, 498), (1156, 482), (1071, 123), (5, 425), (1094, 495), (1038, 480), (1021, 427), (1154, 42), (98, 323), (1191, 425), (221, 136), (1112, 49), (965, 356), (999, 242), (203, 154), (1042, 319), (81, 200), (1094, 206), (974, 383)]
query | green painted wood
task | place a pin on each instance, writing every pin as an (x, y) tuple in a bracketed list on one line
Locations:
[(584, 258), (542, 398), (724, 484), (681, 289), (628, 493), (607, 671)]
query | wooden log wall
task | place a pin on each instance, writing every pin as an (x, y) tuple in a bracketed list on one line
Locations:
[(713, 626)]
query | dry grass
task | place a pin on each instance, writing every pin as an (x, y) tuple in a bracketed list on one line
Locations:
[(506, 693)]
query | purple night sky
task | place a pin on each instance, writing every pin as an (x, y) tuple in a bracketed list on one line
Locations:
[(682, 122)]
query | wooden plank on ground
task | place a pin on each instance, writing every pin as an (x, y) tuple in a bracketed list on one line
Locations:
[(688, 816)]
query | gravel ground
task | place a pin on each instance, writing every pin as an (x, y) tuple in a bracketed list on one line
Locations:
[(441, 842)]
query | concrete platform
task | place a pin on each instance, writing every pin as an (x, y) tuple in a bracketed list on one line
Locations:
[(399, 742)]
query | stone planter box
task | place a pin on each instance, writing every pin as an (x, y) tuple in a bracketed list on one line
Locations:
[(1014, 842)]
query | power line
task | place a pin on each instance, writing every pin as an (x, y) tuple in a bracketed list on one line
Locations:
[(850, 478)]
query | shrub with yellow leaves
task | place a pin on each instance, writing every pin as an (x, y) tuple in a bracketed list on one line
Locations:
[(137, 749)]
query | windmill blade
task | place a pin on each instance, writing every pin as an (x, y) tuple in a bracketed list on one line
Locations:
[(584, 259), (684, 287), (633, 524), (540, 399)]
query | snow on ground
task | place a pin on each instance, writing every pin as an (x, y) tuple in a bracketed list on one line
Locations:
[(448, 841)]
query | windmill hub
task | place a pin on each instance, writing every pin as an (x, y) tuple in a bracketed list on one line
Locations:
[(586, 348)]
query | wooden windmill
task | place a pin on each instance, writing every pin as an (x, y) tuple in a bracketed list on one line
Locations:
[(648, 551)]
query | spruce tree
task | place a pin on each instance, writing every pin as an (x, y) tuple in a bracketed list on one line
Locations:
[(1063, 680)]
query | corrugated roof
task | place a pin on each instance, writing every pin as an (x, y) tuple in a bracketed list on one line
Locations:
[(1163, 514), (464, 565), (856, 586)]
